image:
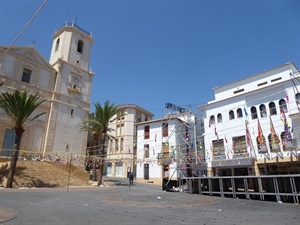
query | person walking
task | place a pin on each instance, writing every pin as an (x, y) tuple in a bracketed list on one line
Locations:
[(131, 175)]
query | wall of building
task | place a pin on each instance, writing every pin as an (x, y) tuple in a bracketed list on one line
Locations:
[(226, 131)]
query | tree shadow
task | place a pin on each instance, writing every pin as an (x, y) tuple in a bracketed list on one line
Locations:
[(4, 169), (30, 181)]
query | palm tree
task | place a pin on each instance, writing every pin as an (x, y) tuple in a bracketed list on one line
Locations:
[(97, 124), (93, 126), (18, 106)]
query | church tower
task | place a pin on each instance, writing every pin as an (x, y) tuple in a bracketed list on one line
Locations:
[(70, 57)]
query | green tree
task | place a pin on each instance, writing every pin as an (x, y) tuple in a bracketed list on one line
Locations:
[(18, 106), (97, 124)]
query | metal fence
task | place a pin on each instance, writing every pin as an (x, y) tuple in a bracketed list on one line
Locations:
[(280, 188)]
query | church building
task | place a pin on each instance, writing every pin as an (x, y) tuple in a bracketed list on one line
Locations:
[(64, 82)]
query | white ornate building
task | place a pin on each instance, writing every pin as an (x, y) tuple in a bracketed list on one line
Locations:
[(65, 82), (252, 125)]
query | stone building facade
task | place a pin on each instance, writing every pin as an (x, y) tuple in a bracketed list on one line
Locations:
[(64, 82)]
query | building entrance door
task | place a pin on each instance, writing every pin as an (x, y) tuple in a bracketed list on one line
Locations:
[(146, 171)]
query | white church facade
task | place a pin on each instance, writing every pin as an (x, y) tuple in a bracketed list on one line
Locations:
[(64, 82)]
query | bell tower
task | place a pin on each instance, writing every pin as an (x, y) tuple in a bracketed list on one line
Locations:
[(72, 44), (70, 57)]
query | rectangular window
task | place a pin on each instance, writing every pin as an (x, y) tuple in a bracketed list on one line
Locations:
[(146, 132), (165, 130), (218, 147), (238, 91), (146, 150), (276, 79), (111, 146), (239, 145), (118, 130), (122, 144), (26, 75), (261, 84)]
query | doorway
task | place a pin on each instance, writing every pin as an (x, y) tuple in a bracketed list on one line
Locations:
[(146, 171)]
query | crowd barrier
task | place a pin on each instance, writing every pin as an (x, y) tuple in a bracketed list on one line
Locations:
[(280, 188)]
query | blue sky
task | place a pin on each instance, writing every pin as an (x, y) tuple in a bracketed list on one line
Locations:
[(149, 52)]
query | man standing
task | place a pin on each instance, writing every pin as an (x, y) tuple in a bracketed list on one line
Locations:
[(131, 175)]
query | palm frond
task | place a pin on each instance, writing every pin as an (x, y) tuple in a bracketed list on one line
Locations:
[(19, 106), (97, 123)]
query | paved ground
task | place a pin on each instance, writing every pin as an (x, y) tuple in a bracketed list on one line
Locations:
[(142, 204)]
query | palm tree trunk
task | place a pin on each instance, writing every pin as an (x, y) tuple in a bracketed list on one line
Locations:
[(102, 157), (14, 159), (94, 178), (100, 172)]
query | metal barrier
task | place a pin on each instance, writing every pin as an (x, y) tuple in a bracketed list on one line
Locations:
[(280, 188)]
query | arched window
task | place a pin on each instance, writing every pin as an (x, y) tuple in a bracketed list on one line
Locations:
[(274, 143), (253, 112), (80, 46), (272, 108), (57, 44), (231, 115), (261, 144), (297, 96), (263, 111), (212, 120), (239, 113), (282, 105), (219, 117)]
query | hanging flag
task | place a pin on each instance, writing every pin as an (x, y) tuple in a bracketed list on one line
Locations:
[(155, 136), (245, 110), (216, 134), (286, 127), (249, 143), (260, 134), (248, 137), (287, 97), (274, 137)]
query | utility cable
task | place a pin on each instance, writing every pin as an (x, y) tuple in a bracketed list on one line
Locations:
[(25, 27)]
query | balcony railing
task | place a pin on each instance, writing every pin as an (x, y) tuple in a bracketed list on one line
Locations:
[(73, 24)]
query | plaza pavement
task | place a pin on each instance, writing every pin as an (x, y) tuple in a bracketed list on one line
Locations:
[(143, 203)]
